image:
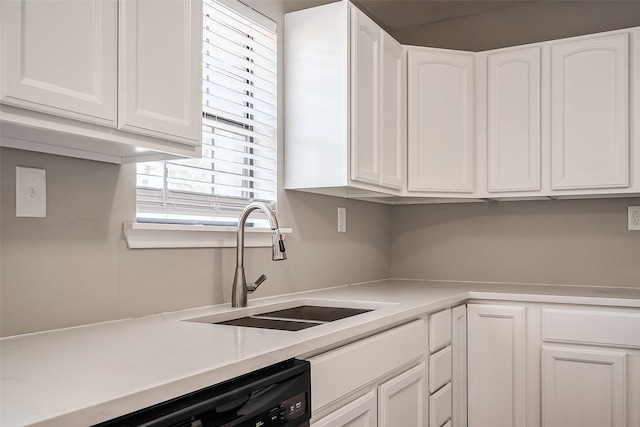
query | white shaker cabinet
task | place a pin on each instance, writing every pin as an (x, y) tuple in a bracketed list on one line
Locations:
[(513, 116), (399, 401), (590, 367), (590, 120), (345, 95), (107, 80), (497, 358), (61, 58), (440, 121), (583, 387)]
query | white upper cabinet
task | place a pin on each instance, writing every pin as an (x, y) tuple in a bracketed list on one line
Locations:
[(513, 113), (150, 33), (440, 121), (560, 117), (102, 79), (589, 104), (61, 58), (345, 115), (394, 113), (365, 102)]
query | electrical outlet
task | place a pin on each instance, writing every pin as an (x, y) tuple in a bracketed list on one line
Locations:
[(342, 220), (634, 217)]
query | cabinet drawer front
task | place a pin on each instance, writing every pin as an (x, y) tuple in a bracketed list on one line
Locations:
[(439, 330), (440, 407), (338, 372), (591, 327), (439, 369)]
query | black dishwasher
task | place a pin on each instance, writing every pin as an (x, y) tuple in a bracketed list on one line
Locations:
[(275, 396)]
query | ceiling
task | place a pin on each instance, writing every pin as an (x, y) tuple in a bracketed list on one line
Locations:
[(403, 14), (477, 25)]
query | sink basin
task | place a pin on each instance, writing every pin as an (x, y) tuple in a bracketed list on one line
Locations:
[(292, 315), (287, 319), (316, 312), (295, 318), (257, 322)]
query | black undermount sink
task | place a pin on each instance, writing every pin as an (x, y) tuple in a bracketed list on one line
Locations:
[(295, 318)]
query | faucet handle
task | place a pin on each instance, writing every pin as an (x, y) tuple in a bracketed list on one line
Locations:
[(278, 251), (251, 287)]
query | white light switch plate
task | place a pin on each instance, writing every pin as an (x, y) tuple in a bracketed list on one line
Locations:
[(634, 217), (31, 192)]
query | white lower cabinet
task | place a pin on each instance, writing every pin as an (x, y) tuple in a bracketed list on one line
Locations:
[(401, 400), (362, 412), (590, 367), (354, 386), (541, 365), (496, 339), (397, 402), (583, 387)]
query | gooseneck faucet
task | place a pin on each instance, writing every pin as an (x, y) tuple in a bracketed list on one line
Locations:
[(278, 253)]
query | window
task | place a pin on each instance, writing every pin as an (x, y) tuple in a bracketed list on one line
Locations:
[(239, 125)]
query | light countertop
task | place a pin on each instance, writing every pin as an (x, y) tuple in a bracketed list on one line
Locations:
[(89, 374)]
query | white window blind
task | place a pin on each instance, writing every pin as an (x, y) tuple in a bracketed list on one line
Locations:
[(239, 126)]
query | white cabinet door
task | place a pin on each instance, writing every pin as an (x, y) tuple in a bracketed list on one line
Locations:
[(513, 146), (59, 57), (440, 121), (496, 352), (365, 98), (459, 365), (393, 119), (589, 91), (157, 96), (402, 400), (362, 412), (583, 388)]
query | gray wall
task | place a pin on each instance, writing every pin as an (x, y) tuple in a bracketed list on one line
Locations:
[(573, 242), (73, 267)]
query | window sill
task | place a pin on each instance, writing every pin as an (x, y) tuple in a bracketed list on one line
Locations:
[(149, 236)]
